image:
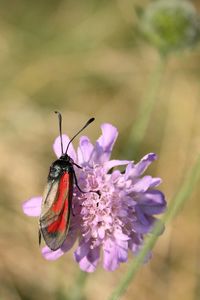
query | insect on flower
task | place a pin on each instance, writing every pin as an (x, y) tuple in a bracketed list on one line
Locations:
[(54, 219), (108, 224)]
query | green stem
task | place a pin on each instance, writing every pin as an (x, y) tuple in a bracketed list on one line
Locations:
[(184, 193), (140, 125), (76, 292)]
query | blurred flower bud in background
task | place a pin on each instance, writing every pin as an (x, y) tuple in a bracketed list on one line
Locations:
[(171, 25)]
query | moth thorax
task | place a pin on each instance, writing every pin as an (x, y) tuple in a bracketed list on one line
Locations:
[(55, 171)]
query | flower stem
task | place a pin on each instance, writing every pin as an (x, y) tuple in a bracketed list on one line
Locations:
[(184, 193), (76, 292), (140, 125)]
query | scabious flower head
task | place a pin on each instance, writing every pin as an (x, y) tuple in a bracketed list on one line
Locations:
[(115, 220), (171, 25)]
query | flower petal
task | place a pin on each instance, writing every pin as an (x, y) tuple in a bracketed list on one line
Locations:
[(113, 163), (152, 202), (57, 147), (89, 262), (85, 151), (48, 254), (101, 232), (141, 218), (140, 167), (155, 182), (122, 250), (142, 184), (32, 207), (110, 256), (135, 243), (120, 236), (144, 224), (81, 251), (104, 144)]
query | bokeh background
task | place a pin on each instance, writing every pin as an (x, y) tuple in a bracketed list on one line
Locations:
[(88, 58)]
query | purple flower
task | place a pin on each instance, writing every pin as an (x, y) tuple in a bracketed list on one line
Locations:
[(117, 220)]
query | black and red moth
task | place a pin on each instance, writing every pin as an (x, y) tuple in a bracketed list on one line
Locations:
[(54, 219)]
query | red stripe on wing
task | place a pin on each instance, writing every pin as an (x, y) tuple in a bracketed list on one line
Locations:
[(60, 224), (63, 191)]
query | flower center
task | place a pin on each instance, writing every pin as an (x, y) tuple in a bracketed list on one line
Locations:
[(100, 209)]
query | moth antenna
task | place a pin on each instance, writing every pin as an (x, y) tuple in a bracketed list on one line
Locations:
[(88, 122), (60, 129)]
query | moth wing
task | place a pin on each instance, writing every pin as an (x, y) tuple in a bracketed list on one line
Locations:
[(54, 196), (50, 196), (54, 220)]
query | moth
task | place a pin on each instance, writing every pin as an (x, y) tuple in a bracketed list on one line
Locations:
[(54, 220)]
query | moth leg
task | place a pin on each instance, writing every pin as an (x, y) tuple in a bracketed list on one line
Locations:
[(76, 182), (39, 237), (91, 191), (77, 165)]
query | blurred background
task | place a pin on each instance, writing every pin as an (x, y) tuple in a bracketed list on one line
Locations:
[(89, 58)]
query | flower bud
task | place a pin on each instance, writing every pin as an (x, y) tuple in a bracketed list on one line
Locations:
[(171, 25)]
